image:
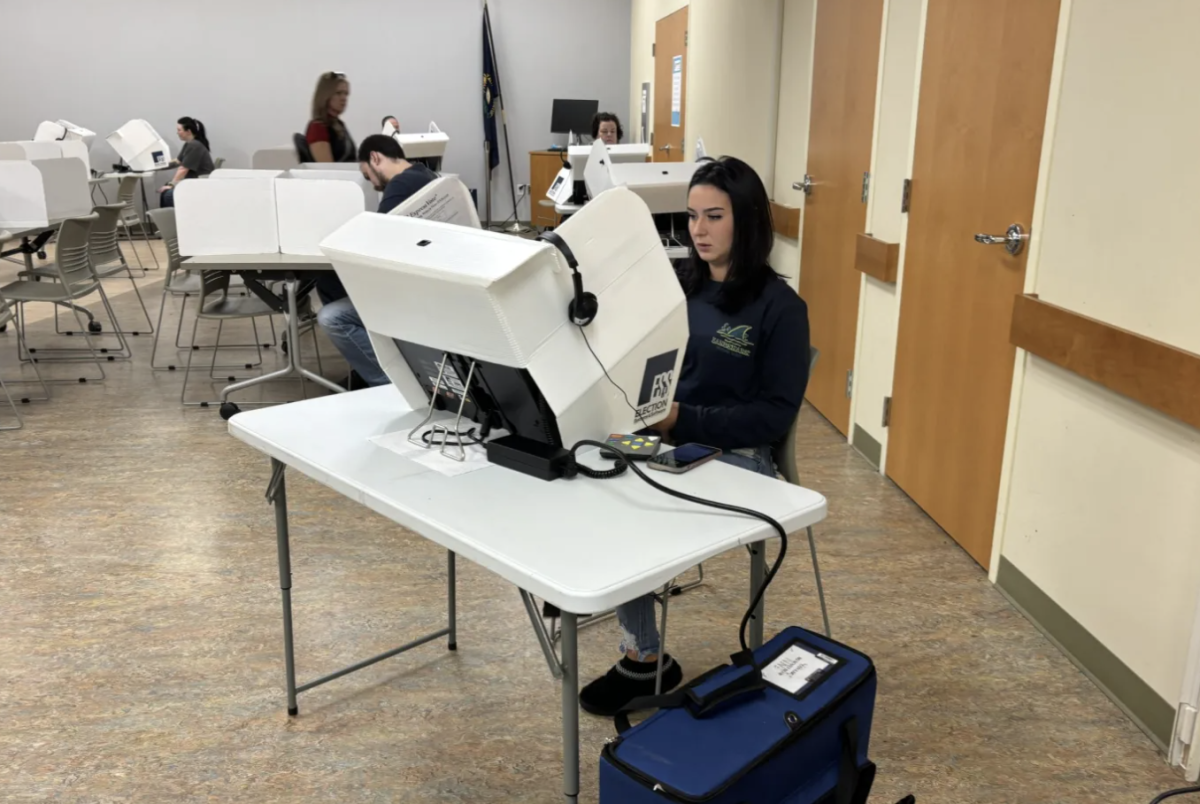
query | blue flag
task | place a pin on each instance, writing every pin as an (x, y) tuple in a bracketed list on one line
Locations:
[(491, 94)]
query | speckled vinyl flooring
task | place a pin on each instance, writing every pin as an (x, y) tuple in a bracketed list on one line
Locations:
[(140, 637)]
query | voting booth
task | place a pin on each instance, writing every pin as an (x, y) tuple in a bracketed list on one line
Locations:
[(476, 321), (140, 146), (238, 211), (41, 192), (62, 130), (662, 185), (426, 147)]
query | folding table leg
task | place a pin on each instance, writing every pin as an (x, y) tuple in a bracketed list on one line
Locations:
[(277, 494), (570, 706), (451, 601), (758, 573)]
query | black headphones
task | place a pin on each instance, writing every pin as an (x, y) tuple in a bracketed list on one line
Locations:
[(583, 308)]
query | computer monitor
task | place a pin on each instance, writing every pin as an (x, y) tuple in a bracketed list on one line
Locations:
[(573, 116)]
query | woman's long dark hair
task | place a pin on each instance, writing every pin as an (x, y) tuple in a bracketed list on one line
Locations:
[(197, 128), (753, 235)]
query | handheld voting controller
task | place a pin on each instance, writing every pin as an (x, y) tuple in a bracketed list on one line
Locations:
[(635, 447)]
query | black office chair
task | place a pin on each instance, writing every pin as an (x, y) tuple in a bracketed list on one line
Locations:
[(303, 152)]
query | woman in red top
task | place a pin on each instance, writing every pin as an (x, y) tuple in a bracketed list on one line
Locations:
[(327, 136)]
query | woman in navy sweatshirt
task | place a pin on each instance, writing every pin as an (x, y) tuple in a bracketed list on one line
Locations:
[(743, 379)]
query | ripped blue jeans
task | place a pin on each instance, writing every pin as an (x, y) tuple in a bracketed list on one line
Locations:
[(639, 628)]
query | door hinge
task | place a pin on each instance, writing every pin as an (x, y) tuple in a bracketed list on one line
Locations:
[(866, 190), (849, 383), (685, 38), (653, 49), (887, 411), (1187, 723), (651, 137), (906, 195)]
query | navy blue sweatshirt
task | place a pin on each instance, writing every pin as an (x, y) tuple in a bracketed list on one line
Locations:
[(744, 373), (403, 185)]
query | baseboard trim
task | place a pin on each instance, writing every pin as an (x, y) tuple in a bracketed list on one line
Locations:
[(871, 449), (1151, 712)]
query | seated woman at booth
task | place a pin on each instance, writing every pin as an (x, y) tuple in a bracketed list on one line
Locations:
[(607, 128), (394, 122), (195, 158), (744, 374), (326, 135)]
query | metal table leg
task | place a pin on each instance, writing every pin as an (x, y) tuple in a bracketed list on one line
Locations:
[(451, 599), (277, 494), (293, 366), (758, 573), (570, 707)]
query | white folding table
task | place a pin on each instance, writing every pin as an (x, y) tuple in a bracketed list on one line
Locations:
[(254, 268), (593, 544)]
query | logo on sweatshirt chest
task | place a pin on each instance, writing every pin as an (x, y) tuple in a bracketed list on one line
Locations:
[(655, 392), (734, 339)]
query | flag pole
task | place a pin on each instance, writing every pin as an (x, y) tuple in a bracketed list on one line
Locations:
[(487, 163), (516, 228)]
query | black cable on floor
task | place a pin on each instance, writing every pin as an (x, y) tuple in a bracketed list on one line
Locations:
[(1178, 792)]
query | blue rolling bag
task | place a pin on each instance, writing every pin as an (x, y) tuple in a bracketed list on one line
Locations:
[(790, 727)]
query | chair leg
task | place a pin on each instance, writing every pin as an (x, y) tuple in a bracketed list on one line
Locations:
[(662, 638), (812, 546), (138, 292), (133, 246), (20, 422), (187, 370)]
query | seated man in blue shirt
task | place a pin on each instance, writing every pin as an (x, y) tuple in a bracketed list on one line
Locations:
[(382, 162)]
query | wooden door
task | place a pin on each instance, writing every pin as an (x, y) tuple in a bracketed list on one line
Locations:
[(845, 74), (985, 82), (670, 86)]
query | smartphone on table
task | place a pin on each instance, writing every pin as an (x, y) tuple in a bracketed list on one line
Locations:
[(683, 458)]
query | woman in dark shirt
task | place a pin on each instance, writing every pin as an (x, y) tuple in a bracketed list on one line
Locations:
[(744, 374), (327, 136), (195, 159)]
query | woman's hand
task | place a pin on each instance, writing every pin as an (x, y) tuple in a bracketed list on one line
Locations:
[(164, 188), (668, 424)]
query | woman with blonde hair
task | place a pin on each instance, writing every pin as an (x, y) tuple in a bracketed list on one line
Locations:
[(327, 137)]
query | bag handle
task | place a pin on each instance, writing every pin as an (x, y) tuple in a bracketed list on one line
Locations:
[(699, 705)]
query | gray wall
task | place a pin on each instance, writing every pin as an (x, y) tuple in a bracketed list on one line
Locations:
[(247, 68)]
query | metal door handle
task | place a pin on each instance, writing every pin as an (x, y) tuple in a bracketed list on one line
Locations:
[(665, 148), (1013, 239), (804, 186)]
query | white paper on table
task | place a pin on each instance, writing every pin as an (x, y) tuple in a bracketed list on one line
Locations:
[(432, 457)]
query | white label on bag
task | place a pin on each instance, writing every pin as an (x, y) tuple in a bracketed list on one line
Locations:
[(794, 668)]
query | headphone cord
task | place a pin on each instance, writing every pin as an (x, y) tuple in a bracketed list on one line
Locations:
[(624, 463)]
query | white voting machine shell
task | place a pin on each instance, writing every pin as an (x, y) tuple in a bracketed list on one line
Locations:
[(140, 146), (63, 130), (578, 155), (502, 299), (662, 185), (424, 145)]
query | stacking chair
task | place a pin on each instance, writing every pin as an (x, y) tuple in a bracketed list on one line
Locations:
[(6, 317), (218, 162), (181, 282), (76, 280), (216, 304), (126, 196), (784, 454), (107, 261)]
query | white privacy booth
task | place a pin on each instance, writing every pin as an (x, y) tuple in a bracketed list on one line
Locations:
[(22, 197), (496, 303), (267, 211), (36, 150), (140, 146), (662, 185)]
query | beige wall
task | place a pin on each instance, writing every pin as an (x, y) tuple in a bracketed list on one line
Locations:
[(891, 164), (791, 141), (645, 14), (732, 93), (1102, 509)]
